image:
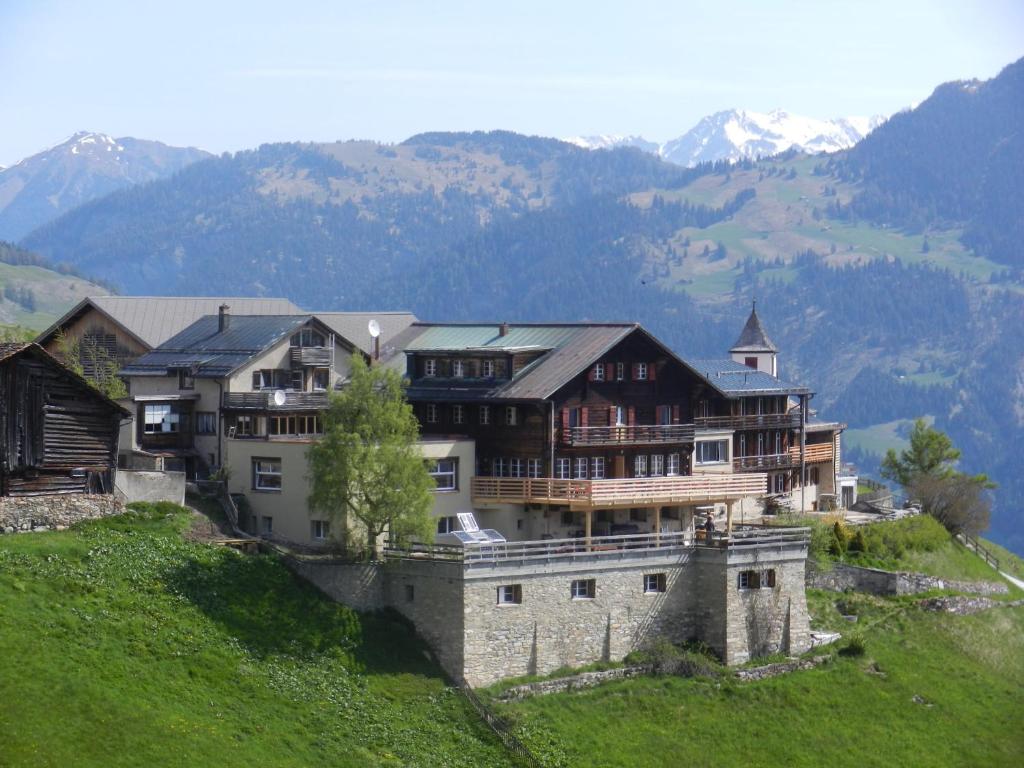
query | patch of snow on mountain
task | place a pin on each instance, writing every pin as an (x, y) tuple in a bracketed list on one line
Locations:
[(613, 141)]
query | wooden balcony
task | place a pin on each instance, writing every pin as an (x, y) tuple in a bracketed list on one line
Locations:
[(638, 434), (760, 421), (767, 461), (813, 454), (264, 401), (607, 494), (319, 357)]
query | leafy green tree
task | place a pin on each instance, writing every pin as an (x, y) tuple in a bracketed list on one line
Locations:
[(367, 467), (931, 453), (103, 369)]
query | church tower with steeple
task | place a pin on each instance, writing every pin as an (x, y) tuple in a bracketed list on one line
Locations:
[(753, 348)]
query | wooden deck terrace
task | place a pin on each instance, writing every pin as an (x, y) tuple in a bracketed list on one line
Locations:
[(603, 549), (618, 493)]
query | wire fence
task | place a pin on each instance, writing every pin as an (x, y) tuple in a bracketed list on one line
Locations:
[(501, 729)]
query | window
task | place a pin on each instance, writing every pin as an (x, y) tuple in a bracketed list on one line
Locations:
[(750, 362), (620, 371), (620, 416), (598, 373), (743, 445), (206, 423), (458, 414), (510, 594), (657, 466), (778, 442), (321, 529), (815, 477), (267, 525), (597, 468), (307, 337), (160, 419), (430, 367), (499, 467), (641, 371), (562, 469), (447, 524), (266, 474), (533, 467), (515, 467), (664, 414), (780, 483), (579, 468), (583, 589), (712, 451), (295, 426), (458, 368), (672, 468), (654, 582), (445, 473), (186, 380), (321, 379), (638, 514), (485, 414), (431, 413), (246, 425), (297, 380), (639, 466), (756, 579), (511, 415), (487, 369)]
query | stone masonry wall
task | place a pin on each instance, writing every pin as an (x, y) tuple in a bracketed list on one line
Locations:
[(54, 512), (842, 577), (357, 585)]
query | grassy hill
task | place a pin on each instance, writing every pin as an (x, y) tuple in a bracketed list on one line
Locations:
[(34, 292), (125, 645)]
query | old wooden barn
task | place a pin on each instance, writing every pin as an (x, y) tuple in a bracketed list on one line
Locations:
[(59, 434)]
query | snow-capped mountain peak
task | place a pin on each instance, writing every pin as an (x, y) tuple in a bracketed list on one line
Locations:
[(613, 140), (86, 142)]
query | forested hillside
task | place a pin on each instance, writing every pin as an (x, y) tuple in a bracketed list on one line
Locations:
[(888, 320)]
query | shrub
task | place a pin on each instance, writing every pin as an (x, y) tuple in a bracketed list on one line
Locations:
[(855, 646), (858, 542)]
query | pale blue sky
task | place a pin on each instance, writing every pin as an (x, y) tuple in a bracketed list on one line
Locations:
[(227, 75)]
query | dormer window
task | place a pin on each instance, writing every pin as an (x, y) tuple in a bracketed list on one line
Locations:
[(458, 369), (308, 337), (430, 367), (487, 369)]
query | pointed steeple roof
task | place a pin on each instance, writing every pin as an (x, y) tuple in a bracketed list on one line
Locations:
[(753, 337)]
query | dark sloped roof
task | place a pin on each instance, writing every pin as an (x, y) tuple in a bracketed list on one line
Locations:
[(353, 326), (211, 353), (155, 319), (9, 349), (735, 379), (753, 337)]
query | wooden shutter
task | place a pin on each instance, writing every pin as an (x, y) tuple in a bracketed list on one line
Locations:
[(651, 371), (636, 371), (631, 416), (590, 372), (565, 425), (611, 416), (584, 416), (675, 414), (609, 372)]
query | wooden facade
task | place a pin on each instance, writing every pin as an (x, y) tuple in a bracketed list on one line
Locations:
[(59, 434)]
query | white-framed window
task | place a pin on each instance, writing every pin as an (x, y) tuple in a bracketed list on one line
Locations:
[(672, 466), (657, 465), (487, 369), (266, 474), (307, 337), (267, 525), (445, 473), (664, 414), (246, 425), (515, 467), (533, 467), (641, 371), (206, 423), (711, 452), (780, 483), (597, 468), (485, 415), (583, 589), (321, 529), (778, 442), (499, 467), (447, 524), (620, 371), (458, 369), (186, 380), (510, 594), (579, 468), (598, 374), (161, 419), (511, 415), (654, 582), (430, 367), (620, 416), (562, 469), (640, 466), (743, 445), (431, 413)]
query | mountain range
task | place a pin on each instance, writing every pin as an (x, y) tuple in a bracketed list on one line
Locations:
[(739, 134), (84, 167)]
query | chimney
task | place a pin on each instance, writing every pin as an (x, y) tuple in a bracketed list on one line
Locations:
[(503, 329), (223, 318)]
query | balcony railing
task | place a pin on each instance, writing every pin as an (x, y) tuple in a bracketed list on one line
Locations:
[(813, 453), (311, 356), (636, 434), (759, 421), (266, 401), (633, 492), (767, 461)]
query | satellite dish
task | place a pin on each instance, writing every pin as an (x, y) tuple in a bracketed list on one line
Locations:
[(374, 328), (280, 397)]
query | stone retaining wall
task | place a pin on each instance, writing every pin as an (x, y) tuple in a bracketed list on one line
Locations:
[(842, 577), (357, 585), (54, 512)]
